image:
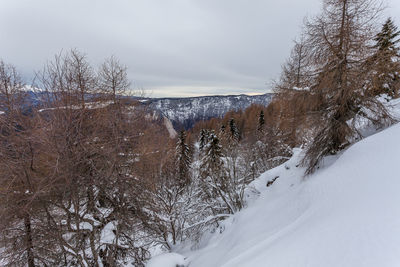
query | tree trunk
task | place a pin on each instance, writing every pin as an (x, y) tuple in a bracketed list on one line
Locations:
[(29, 243)]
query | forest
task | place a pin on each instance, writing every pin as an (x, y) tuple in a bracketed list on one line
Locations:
[(89, 178)]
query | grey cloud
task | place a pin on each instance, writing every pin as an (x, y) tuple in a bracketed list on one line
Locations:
[(171, 47)]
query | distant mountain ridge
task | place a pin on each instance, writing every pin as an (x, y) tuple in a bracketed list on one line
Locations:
[(185, 112)]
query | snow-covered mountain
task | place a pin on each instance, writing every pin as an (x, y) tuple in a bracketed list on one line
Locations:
[(185, 112)]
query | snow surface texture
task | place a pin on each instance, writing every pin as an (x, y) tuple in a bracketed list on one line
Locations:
[(167, 260), (346, 214)]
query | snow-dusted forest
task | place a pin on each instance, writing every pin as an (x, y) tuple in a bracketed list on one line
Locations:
[(91, 176)]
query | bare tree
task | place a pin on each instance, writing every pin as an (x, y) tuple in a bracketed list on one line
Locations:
[(91, 211), (69, 80), (11, 88), (339, 41), (296, 73), (113, 79), (80, 76), (26, 177)]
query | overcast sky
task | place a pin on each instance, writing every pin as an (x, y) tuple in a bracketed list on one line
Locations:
[(171, 47)]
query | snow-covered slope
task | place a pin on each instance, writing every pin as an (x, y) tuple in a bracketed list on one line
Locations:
[(346, 214)]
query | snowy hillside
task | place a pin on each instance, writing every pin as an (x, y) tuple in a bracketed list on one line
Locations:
[(346, 214)]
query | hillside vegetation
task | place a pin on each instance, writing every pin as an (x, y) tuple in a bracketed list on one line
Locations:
[(92, 178)]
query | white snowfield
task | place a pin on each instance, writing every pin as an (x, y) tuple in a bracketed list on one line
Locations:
[(167, 260), (346, 214)]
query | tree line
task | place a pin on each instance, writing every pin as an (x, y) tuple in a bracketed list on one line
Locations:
[(90, 178)]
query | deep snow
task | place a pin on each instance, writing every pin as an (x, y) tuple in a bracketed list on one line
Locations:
[(167, 260), (346, 214)]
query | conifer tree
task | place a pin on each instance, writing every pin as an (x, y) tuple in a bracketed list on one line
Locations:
[(233, 131), (212, 160), (203, 139), (386, 60), (212, 167), (222, 130), (387, 38), (222, 185), (183, 160), (261, 121)]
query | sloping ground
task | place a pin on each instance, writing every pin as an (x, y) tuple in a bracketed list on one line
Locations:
[(346, 214)]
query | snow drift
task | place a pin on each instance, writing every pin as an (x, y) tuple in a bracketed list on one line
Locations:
[(346, 214)]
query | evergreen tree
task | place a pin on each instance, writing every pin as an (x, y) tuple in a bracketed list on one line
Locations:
[(183, 160), (222, 181), (386, 38), (233, 130), (212, 167), (203, 139), (212, 160), (386, 71), (261, 121), (222, 130)]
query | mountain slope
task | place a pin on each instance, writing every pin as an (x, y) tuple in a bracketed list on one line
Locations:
[(346, 214), (185, 112)]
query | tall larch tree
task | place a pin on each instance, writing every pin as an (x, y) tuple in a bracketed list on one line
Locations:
[(339, 42)]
